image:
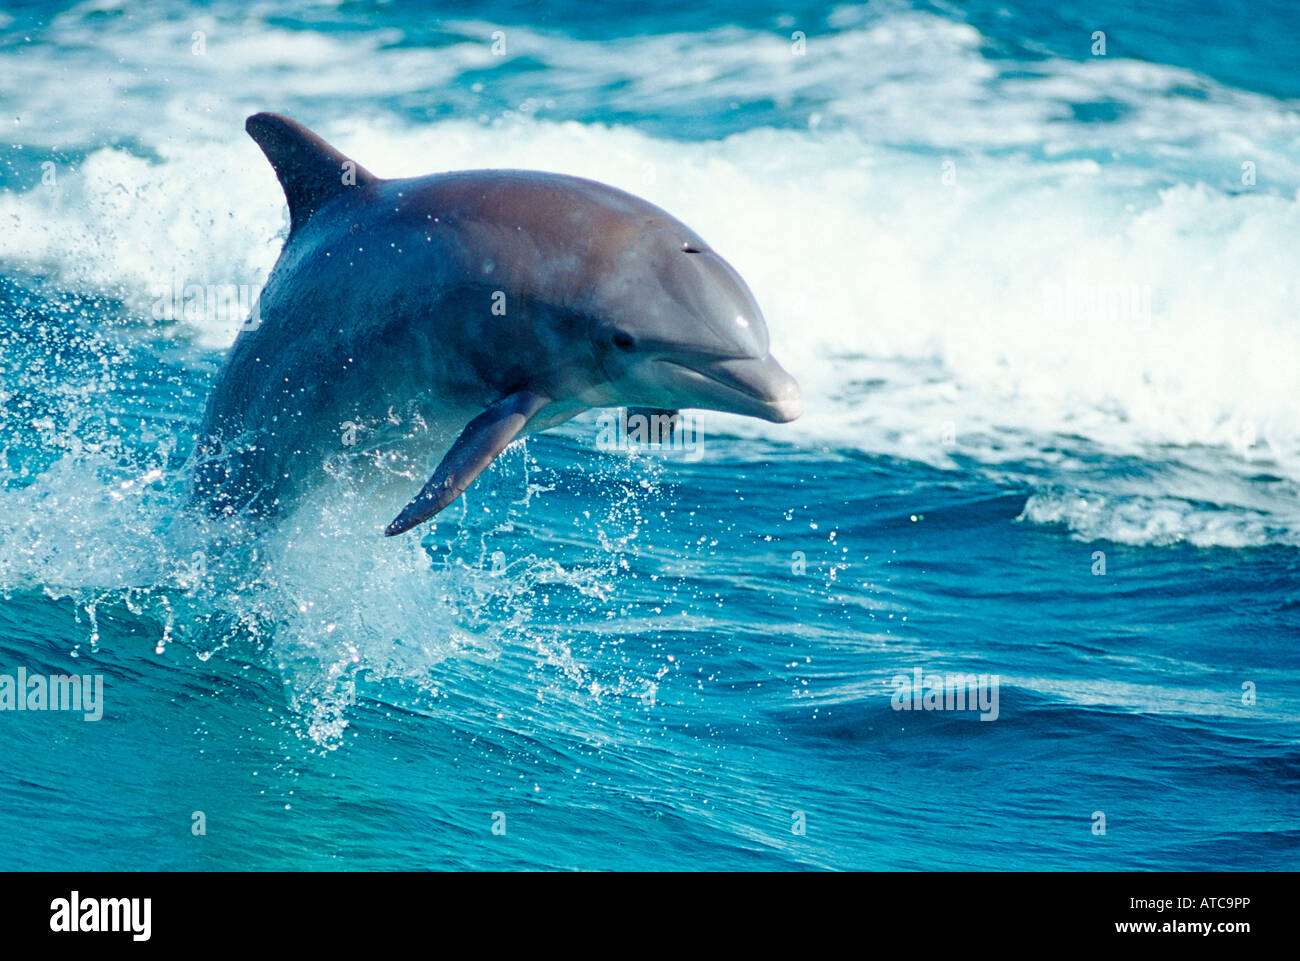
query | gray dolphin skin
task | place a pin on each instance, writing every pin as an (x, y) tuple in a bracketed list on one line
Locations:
[(447, 315)]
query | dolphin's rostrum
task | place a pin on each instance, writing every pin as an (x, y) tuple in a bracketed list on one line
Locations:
[(479, 305)]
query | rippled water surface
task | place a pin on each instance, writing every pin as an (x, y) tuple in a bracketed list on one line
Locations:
[(1041, 303)]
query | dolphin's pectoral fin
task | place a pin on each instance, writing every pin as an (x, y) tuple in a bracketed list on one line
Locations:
[(483, 438)]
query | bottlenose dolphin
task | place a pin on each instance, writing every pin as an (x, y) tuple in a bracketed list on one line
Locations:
[(447, 315)]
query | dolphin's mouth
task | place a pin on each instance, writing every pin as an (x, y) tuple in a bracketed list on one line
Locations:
[(753, 386)]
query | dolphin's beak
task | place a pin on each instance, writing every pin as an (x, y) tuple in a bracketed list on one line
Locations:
[(755, 387)]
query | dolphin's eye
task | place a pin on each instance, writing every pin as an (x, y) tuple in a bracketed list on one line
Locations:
[(623, 340), (687, 248)]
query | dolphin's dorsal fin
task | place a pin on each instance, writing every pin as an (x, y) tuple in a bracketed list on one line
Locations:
[(310, 170)]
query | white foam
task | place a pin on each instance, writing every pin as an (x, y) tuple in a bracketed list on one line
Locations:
[(1146, 520)]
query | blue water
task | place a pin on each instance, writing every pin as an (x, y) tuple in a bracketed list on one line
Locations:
[(1042, 306)]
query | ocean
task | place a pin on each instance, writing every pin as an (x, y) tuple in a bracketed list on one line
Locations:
[(1036, 273)]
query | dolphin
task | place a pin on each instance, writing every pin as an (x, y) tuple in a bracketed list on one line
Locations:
[(449, 314)]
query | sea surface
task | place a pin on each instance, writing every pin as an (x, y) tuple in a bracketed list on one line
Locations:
[(1036, 272)]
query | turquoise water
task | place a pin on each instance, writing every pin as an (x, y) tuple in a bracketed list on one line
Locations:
[(1041, 304)]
